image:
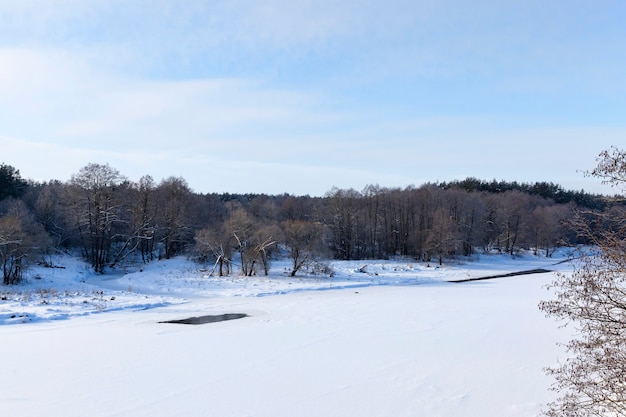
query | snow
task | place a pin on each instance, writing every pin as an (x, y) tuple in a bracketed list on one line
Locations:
[(397, 339)]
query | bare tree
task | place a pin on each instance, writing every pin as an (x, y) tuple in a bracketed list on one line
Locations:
[(372, 220), (515, 208), (443, 236), (20, 238), (342, 215), (96, 209), (423, 207), (305, 242), (50, 210), (143, 217), (264, 240), (468, 220), (242, 228), (592, 382), (11, 249), (216, 241), (547, 227), (175, 220)]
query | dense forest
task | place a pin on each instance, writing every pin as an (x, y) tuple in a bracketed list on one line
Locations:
[(108, 219)]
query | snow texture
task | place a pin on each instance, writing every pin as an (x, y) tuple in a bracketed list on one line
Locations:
[(379, 338)]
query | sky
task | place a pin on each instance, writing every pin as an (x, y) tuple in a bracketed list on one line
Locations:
[(302, 96)]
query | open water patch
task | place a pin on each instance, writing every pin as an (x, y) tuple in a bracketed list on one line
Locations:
[(208, 319)]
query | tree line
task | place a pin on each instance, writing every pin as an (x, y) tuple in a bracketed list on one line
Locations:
[(108, 218)]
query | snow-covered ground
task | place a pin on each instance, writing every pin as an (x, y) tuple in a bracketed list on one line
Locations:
[(379, 338)]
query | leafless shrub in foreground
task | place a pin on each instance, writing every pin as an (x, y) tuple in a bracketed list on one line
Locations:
[(592, 381)]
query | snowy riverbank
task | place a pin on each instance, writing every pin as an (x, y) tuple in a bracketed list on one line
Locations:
[(396, 339)]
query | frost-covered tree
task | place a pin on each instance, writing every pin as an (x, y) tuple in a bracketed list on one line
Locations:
[(96, 209), (175, 219), (141, 218), (342, 215), (592, 381)]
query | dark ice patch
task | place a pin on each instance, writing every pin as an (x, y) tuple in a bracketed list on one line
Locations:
[(208, 319), (510, 274)]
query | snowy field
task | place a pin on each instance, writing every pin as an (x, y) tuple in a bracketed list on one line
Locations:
[(379, 338)]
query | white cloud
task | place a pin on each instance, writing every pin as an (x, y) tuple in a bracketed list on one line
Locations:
[(305, 94), (275, 23), (238, 134), (73, 100)]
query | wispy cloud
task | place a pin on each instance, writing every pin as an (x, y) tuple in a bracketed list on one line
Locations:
[(328, 93)]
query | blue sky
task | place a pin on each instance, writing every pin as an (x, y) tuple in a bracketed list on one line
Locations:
[(300, 96)]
